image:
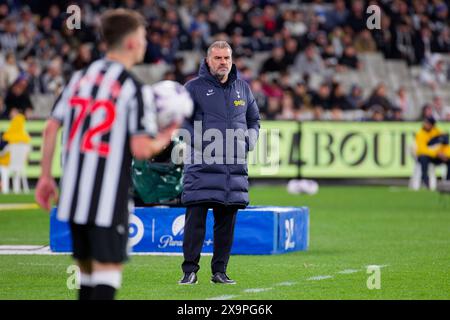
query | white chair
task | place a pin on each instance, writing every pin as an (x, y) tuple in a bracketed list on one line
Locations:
[(18, 158)]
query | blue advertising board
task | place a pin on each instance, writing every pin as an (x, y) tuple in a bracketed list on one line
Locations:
[(259, 230)]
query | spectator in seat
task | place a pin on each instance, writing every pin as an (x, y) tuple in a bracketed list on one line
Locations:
[(290, 51), (224, 10), (379, 97), (9, 37), (302, 97), (276, 62), (178, 70), (288, 108), (309, 62), (426, 112), (423, 44), (296, 26), (337, 15), (153, 53), (402, 101), (435, 72), (273, 108), (440, 112), (339, 99), (236, 24), (329, 57), (9, 72), (34, 77), (396, 114), (269, 20), (376, 113), (432, 147), (384, 37), (349, 59), (364, 42), (240, 48), (404, 41), (357, 20), (258, 42), (52, 80), (321, 100), (442, 41), (355, 97), (18, 99), (258, 94), (83, 58)]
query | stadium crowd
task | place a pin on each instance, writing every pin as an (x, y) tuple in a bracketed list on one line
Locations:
[(39, 52)]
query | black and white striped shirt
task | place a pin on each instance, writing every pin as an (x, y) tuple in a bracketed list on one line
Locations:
[(100, 109)]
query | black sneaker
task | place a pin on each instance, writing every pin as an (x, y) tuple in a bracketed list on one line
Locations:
[(221, 277), (188, 278)]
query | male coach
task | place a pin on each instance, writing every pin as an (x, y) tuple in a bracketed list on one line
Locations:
[(222, 102), (106, 119)]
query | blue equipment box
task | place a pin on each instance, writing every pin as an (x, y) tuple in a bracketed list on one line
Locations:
[(259, 230)]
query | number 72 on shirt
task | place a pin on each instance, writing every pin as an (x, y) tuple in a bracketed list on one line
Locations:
[(88, 107)]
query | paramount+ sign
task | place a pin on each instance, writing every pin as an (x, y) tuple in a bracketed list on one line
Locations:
[(342, 149)]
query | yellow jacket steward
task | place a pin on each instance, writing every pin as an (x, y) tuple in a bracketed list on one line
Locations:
[(425, 145), (16, 133)]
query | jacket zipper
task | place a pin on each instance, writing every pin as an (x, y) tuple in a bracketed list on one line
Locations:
[(227, 126)]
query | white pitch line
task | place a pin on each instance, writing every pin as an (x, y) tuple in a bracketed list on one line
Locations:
[(28, 250), (21, 247), (348, 271), (256, 290), (42, 264), (45, 250), (287, 283), (377, 266), (317, 278), (224, 297)]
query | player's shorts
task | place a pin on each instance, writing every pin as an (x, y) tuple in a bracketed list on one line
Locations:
[(106, 245)]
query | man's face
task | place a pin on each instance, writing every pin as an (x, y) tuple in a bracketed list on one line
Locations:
[(141, 43), (136, 42), (427, 126), (219, 62)]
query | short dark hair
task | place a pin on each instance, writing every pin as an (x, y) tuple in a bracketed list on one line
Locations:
[(118, 23), (430, 120)]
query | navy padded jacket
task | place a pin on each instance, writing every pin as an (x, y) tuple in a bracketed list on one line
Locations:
[(221, 177)]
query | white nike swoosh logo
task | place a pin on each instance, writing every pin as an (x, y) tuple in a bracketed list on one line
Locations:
[(208, 94)]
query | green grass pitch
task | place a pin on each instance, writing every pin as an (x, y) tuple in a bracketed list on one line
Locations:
[(408, 233)]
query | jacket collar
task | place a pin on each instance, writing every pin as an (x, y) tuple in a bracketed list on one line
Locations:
[(206, 74)]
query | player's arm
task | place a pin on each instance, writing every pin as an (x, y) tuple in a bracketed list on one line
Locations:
[(144, 147), (146, 140), (46, 189)]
